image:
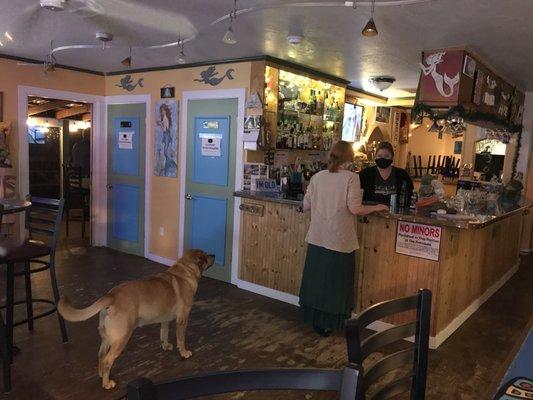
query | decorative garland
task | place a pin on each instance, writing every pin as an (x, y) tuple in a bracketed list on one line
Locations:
[(423, 110)]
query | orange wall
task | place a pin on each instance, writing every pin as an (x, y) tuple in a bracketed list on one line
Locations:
[(165, 200), (13, 75)]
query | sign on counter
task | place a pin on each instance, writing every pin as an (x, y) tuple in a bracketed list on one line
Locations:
[(418, 240)]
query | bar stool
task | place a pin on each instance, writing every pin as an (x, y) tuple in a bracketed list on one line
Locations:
[(43, 218), (6, 364)]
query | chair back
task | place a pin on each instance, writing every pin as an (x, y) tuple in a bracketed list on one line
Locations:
[(72, 178), (359, 349), (345, 381), (43, 218)]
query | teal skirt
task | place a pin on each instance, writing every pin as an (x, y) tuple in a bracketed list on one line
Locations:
[(326, 292)]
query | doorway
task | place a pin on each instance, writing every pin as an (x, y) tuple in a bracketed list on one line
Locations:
[(59, 136), (210, 180), (126, 177)]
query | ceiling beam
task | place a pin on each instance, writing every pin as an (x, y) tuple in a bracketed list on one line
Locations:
[(86, 117), (51, 105), (73, 111)]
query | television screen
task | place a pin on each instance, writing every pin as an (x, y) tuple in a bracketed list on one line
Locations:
[(352, 123)]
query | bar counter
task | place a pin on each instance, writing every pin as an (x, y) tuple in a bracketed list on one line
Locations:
[(475, 257)]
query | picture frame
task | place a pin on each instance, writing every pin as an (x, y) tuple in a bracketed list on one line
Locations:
[(469, 67), (382, 115), (458, 147)]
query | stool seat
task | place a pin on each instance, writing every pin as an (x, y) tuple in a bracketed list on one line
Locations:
[(15, 251)]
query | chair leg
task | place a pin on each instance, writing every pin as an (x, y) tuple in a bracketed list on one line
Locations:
[(29, 298), (9, 311), (83, 218), (6, 365), (55, 290), (67, 210)]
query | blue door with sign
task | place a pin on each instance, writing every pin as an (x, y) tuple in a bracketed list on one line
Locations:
[(125, 180), (211, 145)]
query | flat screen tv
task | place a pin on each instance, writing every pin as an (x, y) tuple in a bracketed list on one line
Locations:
[(353, 122)]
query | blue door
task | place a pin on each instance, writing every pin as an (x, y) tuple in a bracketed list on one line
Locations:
[(126, 158), (211, 145)]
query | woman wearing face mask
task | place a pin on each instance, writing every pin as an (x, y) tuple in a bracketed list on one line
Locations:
[(382, 180), (334, 198)]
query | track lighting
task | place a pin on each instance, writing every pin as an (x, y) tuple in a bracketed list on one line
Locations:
[(370, 28), (182, 58), (229, 36), (127, 61)]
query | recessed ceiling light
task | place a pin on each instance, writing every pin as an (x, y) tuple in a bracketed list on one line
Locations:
[(1, 44)]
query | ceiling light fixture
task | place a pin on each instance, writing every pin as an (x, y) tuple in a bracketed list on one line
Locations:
[(1, 44), (8, 36), (382, 82), (370, 28), (127, 61), (295, 39), (53, 5), (229, 36), (182, 58)]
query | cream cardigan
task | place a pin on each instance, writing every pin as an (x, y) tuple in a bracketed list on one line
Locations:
[(333, 199)]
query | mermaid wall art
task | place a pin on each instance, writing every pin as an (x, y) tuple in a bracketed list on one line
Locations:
[(166, 138)]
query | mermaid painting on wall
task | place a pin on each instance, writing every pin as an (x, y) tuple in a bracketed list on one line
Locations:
[(166, 139)]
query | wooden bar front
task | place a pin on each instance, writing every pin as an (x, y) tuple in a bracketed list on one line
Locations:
[(472, 265)]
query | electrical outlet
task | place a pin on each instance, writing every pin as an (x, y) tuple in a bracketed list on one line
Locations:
[(161, 231)]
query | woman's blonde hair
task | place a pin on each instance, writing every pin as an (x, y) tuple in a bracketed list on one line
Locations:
[(341, 153)]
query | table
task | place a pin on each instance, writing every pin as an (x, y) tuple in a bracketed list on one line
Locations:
[(12, 206)]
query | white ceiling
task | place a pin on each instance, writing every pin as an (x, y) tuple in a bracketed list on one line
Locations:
[(500, 31)]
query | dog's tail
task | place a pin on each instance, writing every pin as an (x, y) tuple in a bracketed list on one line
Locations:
[(75, 315)]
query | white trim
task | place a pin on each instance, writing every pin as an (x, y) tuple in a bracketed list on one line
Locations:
[(98, 130), (240, 95), (436, 341), (161, 260), (147, 100), (272, 293)]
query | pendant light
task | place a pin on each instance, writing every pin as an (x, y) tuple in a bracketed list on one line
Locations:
[(229, 36), (370, 28), (435, 127), (127, 61), (182, 58)]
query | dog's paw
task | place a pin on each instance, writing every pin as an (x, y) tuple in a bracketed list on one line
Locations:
[(185, 353), (109, 385), (167, 346)]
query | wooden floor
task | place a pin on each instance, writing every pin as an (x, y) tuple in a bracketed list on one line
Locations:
[(231, 329)]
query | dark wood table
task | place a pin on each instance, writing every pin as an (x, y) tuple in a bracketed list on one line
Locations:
[(12, 206)]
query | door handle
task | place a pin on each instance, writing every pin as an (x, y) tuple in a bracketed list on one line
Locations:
[(109, 187), (188, 196)]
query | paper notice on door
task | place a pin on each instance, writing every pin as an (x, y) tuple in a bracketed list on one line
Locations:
[(125, 140), (210, 144)]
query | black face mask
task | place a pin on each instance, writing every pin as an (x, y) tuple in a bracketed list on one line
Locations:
[(383, 162)]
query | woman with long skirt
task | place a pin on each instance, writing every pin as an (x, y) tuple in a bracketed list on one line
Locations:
[(334, 198)]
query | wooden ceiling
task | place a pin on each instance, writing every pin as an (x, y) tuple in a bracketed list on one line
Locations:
[(58, 109)]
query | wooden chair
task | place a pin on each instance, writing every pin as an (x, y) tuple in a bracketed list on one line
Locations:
[(75, 195), (43, 218), (345, 381), (359, 349)]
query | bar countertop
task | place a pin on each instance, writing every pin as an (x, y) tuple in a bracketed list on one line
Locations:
[(460, 221)]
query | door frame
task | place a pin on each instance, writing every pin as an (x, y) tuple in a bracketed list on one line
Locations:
[(145, 99), (99, 114), (218, 94)]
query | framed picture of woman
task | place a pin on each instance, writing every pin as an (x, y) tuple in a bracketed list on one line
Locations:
[(382, 115)]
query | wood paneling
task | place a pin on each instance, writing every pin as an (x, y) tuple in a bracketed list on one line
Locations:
[(273, 247), (272, 254)]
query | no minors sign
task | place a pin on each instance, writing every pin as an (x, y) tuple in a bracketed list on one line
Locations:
[(418, 240)]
